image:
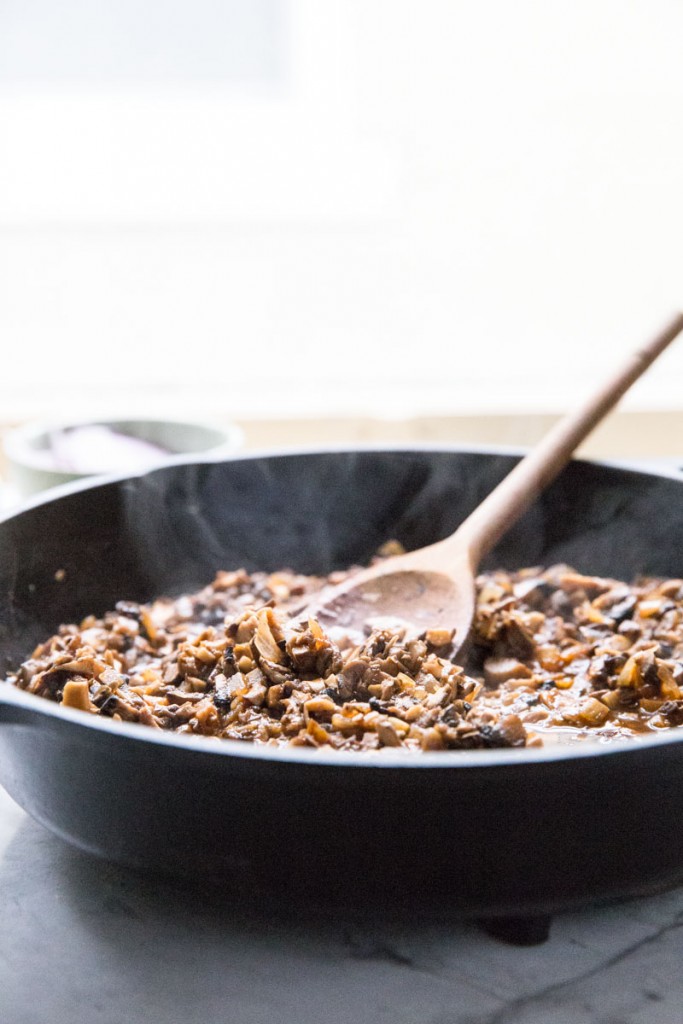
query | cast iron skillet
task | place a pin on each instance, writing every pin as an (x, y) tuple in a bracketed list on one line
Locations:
[(487, 832)]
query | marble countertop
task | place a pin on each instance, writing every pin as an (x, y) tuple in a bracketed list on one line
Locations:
[(83, 942)]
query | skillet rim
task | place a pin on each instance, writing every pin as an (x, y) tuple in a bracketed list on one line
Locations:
[(16, 703)]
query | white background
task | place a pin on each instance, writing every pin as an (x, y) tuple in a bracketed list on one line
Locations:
[(306, 206)]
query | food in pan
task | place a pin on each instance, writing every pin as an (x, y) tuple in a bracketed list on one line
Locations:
[(555, 655)]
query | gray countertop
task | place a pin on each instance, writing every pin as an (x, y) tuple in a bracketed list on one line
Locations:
[(83, 942)]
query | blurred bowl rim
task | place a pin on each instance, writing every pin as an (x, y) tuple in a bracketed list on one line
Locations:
[(19, 443)]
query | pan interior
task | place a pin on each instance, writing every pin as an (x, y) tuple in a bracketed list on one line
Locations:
[(168, 531)]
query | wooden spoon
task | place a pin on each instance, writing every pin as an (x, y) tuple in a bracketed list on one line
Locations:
[(434, 587)]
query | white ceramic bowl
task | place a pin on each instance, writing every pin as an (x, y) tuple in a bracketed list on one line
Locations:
[(31, 463)]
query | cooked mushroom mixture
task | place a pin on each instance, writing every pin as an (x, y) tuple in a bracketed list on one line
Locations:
[(555, 655)]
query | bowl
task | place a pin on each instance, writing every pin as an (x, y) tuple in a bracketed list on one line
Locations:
[(41, 455)]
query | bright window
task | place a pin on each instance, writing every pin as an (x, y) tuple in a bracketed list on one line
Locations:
[(289, 206)]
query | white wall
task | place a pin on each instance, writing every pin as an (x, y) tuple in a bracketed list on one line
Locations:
[(436, 207)]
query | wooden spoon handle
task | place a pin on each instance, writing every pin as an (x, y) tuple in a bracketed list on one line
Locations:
[(515, 493)]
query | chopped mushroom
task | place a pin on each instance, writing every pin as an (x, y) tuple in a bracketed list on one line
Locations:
[(76, 694), (499, 670), (570, 653)]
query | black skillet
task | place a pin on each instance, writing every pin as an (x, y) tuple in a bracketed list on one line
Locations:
[(484, 832)]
